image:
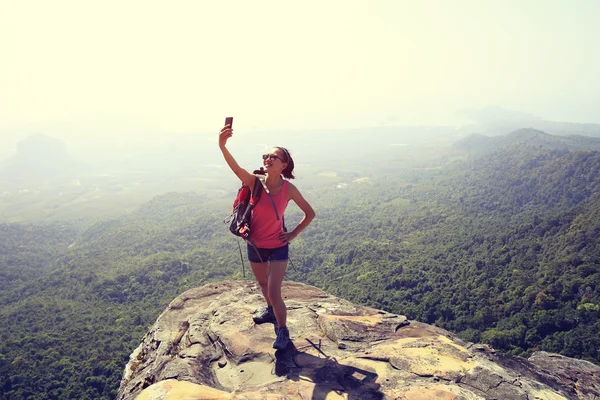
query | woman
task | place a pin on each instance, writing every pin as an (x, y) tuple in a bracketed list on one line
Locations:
[(270, 257)]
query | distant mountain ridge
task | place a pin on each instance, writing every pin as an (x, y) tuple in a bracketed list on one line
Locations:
[(494, 120), (478, 143)]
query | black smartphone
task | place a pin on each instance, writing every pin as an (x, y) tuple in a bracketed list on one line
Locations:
[(229, 121)]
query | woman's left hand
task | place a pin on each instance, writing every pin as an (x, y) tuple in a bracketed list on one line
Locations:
[(286, 237)]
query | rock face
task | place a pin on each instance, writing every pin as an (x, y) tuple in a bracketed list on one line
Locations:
[(205, 345)]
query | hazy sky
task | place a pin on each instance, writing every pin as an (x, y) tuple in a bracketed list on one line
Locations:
[(78, 69)]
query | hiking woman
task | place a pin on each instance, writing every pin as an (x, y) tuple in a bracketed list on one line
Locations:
[(269, 258)]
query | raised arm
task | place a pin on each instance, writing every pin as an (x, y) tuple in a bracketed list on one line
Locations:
[(309, 213), (241, 173)]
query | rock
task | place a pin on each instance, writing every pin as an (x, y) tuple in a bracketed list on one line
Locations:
[(582, 376), (206, 346)]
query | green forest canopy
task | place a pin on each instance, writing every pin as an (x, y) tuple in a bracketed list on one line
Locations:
[(504, 250)]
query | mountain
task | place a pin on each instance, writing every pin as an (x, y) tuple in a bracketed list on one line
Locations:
[(495, 120), (205, 345), (480, 144), (39, 157)]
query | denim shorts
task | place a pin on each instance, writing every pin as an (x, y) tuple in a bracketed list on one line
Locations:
[(276, 254)]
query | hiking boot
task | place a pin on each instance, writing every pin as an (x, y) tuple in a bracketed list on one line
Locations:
[(283, 338), (264, 314), (275, 328)]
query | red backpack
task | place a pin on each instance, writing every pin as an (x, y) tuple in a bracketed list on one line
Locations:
[(239, 220)]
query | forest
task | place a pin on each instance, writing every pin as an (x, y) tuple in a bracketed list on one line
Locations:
[(500, 248)]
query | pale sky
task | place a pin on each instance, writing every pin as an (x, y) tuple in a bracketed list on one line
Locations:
[(79, 69)]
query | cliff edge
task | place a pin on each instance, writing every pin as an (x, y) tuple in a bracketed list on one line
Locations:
[(205, 345)]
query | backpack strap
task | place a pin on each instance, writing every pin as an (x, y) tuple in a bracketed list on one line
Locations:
[(256, 190)]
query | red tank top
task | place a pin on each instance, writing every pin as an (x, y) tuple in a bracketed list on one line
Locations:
[(265, 227)]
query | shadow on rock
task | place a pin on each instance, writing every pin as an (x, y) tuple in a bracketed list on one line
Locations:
[(327, 374)]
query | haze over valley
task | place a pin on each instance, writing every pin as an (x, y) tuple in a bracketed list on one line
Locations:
[(43, 180)]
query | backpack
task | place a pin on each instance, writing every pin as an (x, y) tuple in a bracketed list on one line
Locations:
[(239, 220)]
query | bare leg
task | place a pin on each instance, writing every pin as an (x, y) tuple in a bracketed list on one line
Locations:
[(275, 280), (261, 272)]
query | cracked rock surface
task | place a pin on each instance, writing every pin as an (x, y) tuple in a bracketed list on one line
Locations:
[(205, 345)]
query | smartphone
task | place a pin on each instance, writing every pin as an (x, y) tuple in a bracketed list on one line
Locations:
[(229, 121)]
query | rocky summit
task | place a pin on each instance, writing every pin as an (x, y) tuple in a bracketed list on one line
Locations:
[(205, 345)]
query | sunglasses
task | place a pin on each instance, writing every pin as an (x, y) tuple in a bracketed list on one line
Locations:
[(271, 157)]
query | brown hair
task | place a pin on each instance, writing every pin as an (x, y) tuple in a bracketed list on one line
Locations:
[(288, 172)]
